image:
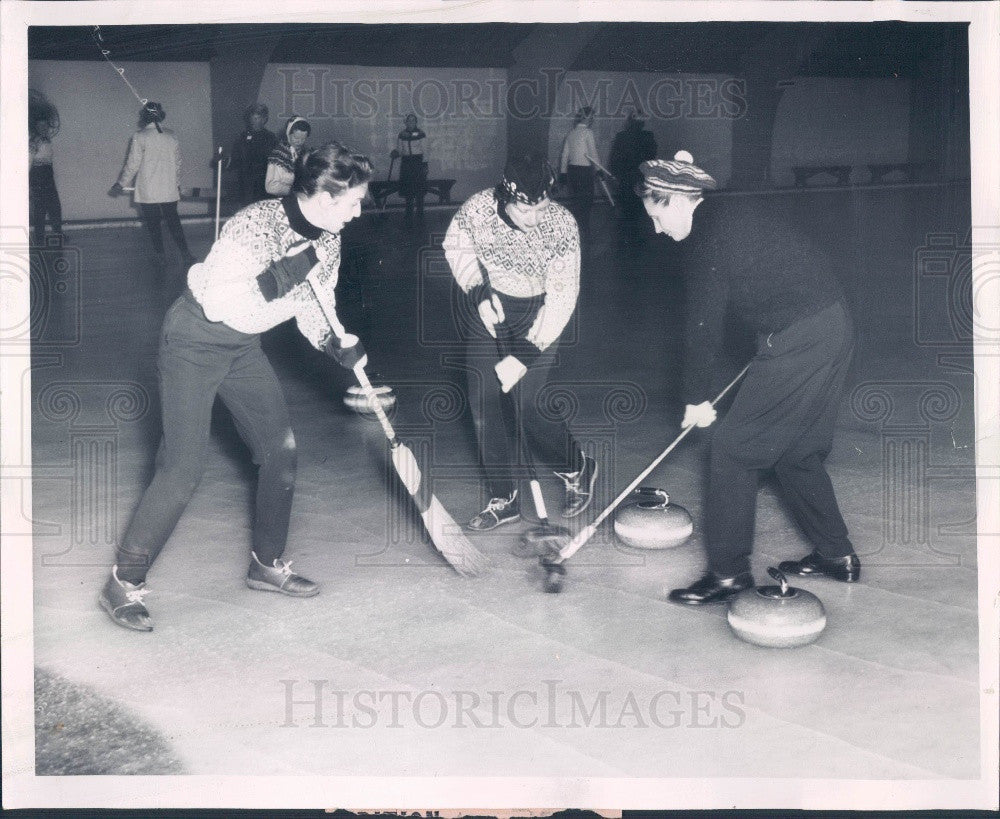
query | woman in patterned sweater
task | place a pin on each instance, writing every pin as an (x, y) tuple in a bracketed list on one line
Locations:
[(281, 164), (516, 256), (210, 345)]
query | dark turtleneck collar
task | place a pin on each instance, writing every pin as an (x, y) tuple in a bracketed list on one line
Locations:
[(299, 223)]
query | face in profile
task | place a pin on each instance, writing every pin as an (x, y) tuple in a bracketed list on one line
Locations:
[(336, 210), (673, 217), (526, 217)]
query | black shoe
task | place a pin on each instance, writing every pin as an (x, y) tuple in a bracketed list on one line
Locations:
[(579, 487), (280, 578), (123, 603), (845, 569), (712, 589), (497, 512)]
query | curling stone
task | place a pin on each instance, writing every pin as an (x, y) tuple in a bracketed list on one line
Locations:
[(356, 400), (777, 616), (648, 520)]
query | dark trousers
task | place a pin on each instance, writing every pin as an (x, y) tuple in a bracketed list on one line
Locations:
[(167, 211), (581, 186), (43, 201), (783, 419), (495, 413), (412, 175), (198, 360)]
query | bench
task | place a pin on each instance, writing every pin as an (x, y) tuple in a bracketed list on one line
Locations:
[(381, 191), (881, 170), (803, 173)]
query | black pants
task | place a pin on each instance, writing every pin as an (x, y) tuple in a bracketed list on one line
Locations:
[(412, 175), (581, 186), (43, 201), (151, 216), (198, 360), (494, 413), (782, 418)]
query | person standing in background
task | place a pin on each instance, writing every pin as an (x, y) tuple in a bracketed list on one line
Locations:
[(412, 169), (632, 146), (577, 167), (43, 198), (250, 154), (281, 164), (154, 164)]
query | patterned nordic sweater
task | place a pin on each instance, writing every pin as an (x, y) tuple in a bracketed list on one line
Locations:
[(541, 262), (225, 284), (281, 169)]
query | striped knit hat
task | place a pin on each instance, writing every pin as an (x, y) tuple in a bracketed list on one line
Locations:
[(677, 175), (527, 179)]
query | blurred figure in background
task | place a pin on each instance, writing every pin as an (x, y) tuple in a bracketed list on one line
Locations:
[(154, 164), (412, 168), (632, 146), (281, 164), (43, 198), (577, 167), (250, 154)]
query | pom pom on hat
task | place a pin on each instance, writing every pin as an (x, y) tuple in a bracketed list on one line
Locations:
[(679, 174)]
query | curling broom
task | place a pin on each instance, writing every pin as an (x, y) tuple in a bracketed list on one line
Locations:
[(553, 564), (446, 535)]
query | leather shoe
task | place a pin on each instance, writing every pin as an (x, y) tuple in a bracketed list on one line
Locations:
[(712, 589), (845, 569), (279, 577)]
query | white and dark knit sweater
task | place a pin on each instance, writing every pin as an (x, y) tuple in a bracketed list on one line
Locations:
[(225, 284), (544, 261)]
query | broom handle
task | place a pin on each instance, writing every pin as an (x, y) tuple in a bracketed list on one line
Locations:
[(218, 190), (360, 374), (536, 489), (645, 473)]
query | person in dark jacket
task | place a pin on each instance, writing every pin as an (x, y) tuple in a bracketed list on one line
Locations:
[(251, 151), (632, 146), (772, 277)]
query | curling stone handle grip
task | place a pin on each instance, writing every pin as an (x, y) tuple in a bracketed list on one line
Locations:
[(778, 575), (539, 501)]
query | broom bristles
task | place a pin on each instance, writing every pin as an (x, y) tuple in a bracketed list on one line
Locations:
[(449, 540)]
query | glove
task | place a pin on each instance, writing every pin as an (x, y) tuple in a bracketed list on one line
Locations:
[(491, 313), (285, 274), (699, 415), (510, 371), (347, 350), (116, 190)]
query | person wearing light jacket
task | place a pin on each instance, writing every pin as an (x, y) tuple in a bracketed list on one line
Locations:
[(154, 165), (262, 271)]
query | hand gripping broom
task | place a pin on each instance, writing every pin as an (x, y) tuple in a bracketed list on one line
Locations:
[(555, 571), (446, 534)]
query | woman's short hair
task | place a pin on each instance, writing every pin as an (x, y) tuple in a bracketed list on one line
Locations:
[(332, 168), (661, 197)]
